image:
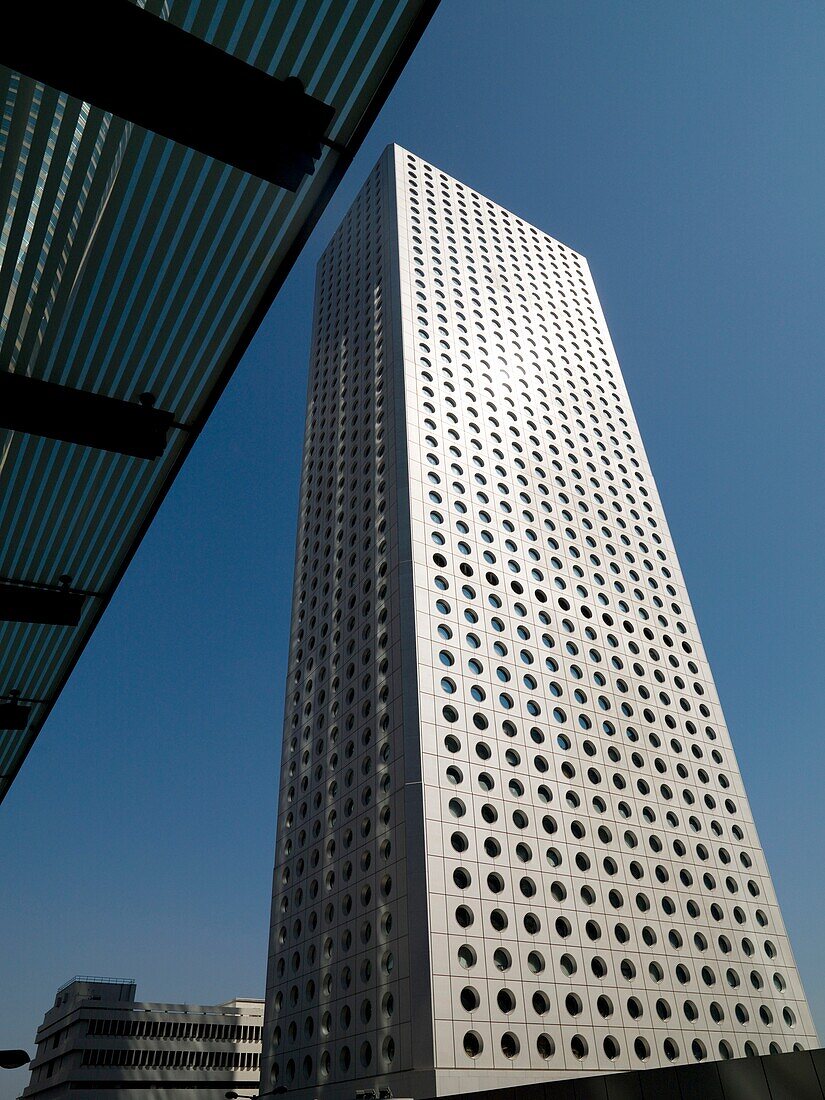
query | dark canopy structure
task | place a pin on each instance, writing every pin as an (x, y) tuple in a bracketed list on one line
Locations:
[(162, 165)]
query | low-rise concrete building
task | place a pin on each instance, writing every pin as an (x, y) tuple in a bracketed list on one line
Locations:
[(97, 1038)]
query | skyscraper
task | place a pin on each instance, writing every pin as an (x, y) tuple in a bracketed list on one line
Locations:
[(513, 840)]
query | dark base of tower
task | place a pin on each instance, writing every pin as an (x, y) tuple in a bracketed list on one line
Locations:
[(799, 1075)]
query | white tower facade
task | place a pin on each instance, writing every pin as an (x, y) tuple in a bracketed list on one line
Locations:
[(513, 840)]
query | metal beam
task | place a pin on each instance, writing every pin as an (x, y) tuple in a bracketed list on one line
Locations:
[(28, 603), (77, 416), (124, 59), (13, 715)]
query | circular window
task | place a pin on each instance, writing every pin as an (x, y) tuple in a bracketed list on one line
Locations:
[(532, 924), (510, 1045), (527, 887), (579, 1048), (464, 916), (611, 1047), (535, 962), (502, 959), (467, 956), (598, 966), (473, 1045), (459, 842), (699, 1050), (545, 1046), (498, 919), (671, 1049), (568, 965)]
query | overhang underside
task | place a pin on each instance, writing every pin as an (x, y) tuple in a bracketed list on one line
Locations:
[(134, 265)]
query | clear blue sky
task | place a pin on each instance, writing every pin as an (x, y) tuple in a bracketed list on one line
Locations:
[(681, 147)]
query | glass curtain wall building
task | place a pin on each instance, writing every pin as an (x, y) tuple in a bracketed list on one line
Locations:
[(513, 839)]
